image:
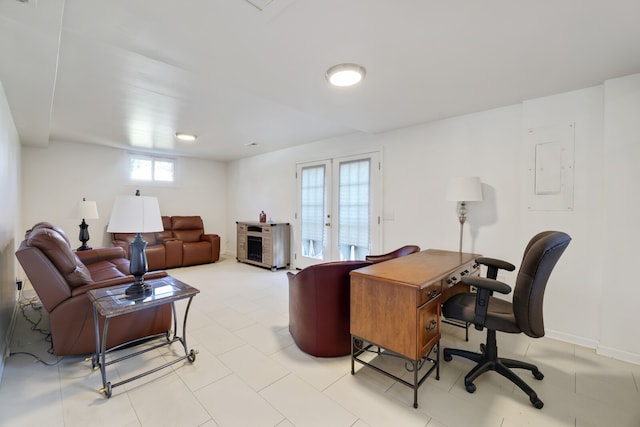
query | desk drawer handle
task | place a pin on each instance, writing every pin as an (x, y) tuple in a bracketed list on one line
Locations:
[(432, 325)]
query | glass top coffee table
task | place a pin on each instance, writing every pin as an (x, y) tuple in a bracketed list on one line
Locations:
[(112, 302)]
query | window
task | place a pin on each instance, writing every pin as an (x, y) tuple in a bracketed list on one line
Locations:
[(152, 169)]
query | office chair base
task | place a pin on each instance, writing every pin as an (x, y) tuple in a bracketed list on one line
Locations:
[(488, 360)]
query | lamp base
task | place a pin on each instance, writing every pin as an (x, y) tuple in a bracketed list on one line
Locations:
[(84, 236), (139, 289)]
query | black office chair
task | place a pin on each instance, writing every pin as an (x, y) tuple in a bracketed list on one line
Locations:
[(523, 315)]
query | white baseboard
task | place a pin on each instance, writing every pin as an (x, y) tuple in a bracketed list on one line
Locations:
[(618, 354), (4, 344), (614, 353), (572, 339)]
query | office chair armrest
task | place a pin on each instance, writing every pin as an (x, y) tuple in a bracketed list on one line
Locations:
[(493, 265), (494, 262), (488, 284), (484, 289)]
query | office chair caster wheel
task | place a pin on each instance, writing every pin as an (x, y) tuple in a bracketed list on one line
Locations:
[(537, 375), (447, 357), (192, 356), (470, 387), (482, 348), (537, 403)]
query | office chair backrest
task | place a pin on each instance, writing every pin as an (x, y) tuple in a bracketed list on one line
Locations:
[(539, 259)]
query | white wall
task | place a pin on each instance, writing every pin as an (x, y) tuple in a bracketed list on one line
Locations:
[(9, 218), (418, 161), (620, 290), (56, 177)]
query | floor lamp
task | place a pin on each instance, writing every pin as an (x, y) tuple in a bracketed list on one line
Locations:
[(463, 190), (136, 214), (86, 209)]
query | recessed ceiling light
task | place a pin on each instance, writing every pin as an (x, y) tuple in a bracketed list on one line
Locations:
[(344, 75), (186, 136)]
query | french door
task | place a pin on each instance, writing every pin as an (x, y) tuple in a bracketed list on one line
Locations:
[(338, 214)]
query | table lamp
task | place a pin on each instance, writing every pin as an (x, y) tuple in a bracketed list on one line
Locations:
[(85, 209), (136, 214), (463, 190)]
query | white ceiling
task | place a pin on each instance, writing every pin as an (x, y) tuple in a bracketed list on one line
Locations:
[(133, 73)]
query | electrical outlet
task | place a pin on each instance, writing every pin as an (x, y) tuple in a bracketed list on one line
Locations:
[(19, 284)]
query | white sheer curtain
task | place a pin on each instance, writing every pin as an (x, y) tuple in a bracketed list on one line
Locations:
[(312, 210), (354, 201)]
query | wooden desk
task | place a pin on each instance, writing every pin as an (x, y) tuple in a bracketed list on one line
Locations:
[(396, 306)]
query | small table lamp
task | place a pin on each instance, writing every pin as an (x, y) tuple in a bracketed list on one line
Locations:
[(463, 190), (136, 214), (85, 209)]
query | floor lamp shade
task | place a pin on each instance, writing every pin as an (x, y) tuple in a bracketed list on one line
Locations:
[(136, 214), (465, 189), (85, 209)]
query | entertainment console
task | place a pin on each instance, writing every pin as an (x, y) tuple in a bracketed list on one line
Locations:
[(263, 244)]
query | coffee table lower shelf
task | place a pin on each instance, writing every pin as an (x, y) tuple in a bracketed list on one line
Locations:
[(112, 302)]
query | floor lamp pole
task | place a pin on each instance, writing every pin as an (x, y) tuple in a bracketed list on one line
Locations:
[(462, 217)]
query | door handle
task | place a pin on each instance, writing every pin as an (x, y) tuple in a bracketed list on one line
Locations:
[(327, 224)]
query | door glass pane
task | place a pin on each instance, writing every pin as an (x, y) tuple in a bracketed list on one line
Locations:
[(353, 209), (312, 210)]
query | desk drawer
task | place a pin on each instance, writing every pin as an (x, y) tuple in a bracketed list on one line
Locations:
[(428, 325)]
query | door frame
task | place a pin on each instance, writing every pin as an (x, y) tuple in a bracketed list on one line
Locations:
[(331, 198)]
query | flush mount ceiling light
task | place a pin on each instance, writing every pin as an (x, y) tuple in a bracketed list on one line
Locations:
[(186, 136), (344, 75)]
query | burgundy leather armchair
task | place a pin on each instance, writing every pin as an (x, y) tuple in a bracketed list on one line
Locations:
[(319, 304), (405, 250), (61, 278)]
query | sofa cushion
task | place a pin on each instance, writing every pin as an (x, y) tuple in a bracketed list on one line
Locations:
[(56, 248), (150, 238), (187, 223), (45, 224), (105, 270), (188, 236)]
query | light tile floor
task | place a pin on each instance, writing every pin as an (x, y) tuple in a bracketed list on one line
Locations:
[(248, 372)]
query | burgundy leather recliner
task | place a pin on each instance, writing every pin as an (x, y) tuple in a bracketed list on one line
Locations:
[(61, 278)]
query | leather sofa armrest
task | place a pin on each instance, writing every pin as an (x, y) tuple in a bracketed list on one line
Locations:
[(92, 256), (214, 239), (122, 244), (115, 282), (173, 252)]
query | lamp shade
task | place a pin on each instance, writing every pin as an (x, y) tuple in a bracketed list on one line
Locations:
[(135, 214), (87, 209), (465, 189)]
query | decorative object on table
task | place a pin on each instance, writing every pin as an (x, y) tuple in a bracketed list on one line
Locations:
[(86, 209), (263, 216), (136, 214), (464, 189)]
